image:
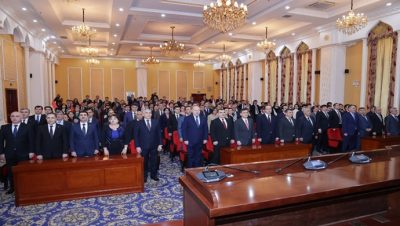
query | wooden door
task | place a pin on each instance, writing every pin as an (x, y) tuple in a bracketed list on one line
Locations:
[(11, 102), (198, 97)]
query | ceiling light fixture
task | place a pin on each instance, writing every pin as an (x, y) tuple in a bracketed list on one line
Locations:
[(83, 30), (89, 50), (151, 59), (293, 34), (163, 15), (92, 61), (115, 35), (121, 9), (224, 15), (351, 23), (172, 48), (224, 58), (266, 44), (388, 4), (117, 24), (287, 7), (43, 29), (254, 23), (34, 21), (199, 63), (24, 9)]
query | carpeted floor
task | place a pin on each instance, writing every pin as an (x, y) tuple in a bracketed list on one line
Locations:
[(161, 201)]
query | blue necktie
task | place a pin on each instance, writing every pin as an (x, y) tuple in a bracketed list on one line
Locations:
[(84, 129), (197, 121), (15, 130)]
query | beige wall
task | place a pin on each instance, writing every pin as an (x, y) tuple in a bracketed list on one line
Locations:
[(352, 87), (317, 77)]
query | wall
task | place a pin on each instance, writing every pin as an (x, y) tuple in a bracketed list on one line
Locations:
[(112, 78), (162, 78), (317, 76), (12, 70), (352, 91)]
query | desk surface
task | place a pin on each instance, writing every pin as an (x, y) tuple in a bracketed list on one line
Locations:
[(249, 192)]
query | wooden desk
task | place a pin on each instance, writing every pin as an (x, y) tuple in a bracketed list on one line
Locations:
[(372, 143), (257, 153), (56, 180), (296, 197)]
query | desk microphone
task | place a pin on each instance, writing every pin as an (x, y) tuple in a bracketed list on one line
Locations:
[(234, 168), (359, 158)]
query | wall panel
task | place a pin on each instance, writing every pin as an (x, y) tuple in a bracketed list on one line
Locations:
[(75, 83), (97, 82), (198, 80), (118, 83), (181, 84), (163, 84)]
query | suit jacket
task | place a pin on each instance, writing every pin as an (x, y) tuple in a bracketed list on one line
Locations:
[(145, 139), (221, 134), (42, 120), (305, 129), (267, 130), (16, 148), (253, 111), (193, 133), (51, 147), (334, 120), (67, 128), (392, 125), (376, 123), (322, 121), (130, 130), (363, 124), (128, 118), (350, 124), (172, 123), (287, 131), (180, 122), (84, 145), (207, 112), (242, 133), (156, 114)]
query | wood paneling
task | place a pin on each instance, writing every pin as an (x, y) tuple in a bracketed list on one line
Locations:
[(97, 82), (75, 82), (10, 64), (181, 84), (118, 83), (163, 84), (198, 80)]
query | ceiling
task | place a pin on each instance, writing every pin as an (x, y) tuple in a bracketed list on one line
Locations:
[(127, 28)]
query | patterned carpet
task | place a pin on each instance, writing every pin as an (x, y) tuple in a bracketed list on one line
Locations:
[(161, 201)]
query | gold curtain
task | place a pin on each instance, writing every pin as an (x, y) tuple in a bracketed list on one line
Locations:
[(287, 80), (272, 79), (304, 77), (383, 65)]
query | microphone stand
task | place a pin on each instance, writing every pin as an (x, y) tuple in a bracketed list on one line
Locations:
[(279, 170), (234, 168), (337, 158)]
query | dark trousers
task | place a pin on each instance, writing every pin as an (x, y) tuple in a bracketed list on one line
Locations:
[(216, 155), (194, 155), (350, 142), (322, 142), (150, 162)]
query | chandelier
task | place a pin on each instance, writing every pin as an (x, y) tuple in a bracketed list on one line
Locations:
[(172, 48), (151, 59), (224, 58), (92, 61), (83, 30), (224, 15), (199, 63), (265, 44), (89, 50), (351, 23)]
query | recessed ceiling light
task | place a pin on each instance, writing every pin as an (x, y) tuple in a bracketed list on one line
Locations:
[(24, 9), (53, 37), (43, 29), (163, 15), (111, 54), (213, 42), (230, 33), (287, 7), (121, 9), (388, 4), (34, 21), (254, 23), (117, 24), (140, 44), (200, 48), (59, 47), (113, 43), (112, 49), (234, 52), (190, 53), (293, 34), (115, 35), (54, 43), (62, 51)]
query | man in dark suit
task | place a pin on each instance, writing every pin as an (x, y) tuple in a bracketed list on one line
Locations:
[(16, 141), (306, 127), (92, 119), (322, 128), (364, 123), (157, 112), (51, 140), (255, 110), (392, 123), (83, 138), (207, 109), (66, 124), (130, 115), (267, 126), (38, 118), (335, 117), (148, 142), (221, 131), (287, 127), (195, 135), (377, 120), (244, 129), (25, 117), (350, 129)]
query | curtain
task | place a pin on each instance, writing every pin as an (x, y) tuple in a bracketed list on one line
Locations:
[(291, 74), (232, 83), (240, 84), (309, 77), (304, 67), (304, 78), (286, 80), (272, 84)]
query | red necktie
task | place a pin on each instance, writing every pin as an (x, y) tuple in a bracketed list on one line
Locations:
[(223, 122)]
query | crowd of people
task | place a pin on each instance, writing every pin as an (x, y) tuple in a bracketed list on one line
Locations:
[(147, 126)]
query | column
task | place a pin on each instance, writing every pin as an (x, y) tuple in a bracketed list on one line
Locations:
[(37, 68), (235, 90), (364, 72), (227, 83), (255, 73), (333, 61), (313, 68), (396, 101), (245, 82), (266, 79), (141, 75), (220, 84), (53, 82), (279, 94), (295, 78)]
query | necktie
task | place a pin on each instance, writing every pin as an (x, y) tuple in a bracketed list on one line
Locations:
[(269, 118), (51, 132), (15, 130), (340, 117), (148, 125), (84, 129), (308, 118), (177, 116), (352, 115), (197, 121), (247, 123), (291, 122), (223, 122), (37, 118)]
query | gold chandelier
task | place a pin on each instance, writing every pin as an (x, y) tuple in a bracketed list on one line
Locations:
[(199, 63), (172, 48), (89, 50), (351, 23), (225, 15), (224, 58), (265, 44), (83, 30), (151, 59), (92, 61)]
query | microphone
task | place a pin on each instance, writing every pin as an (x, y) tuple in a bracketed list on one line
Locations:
[(337, 158), (359, 159), (279, 170), (234, 168), (314, 164)]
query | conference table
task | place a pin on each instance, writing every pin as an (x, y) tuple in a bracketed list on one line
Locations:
[(73, 178), (295, 196), (265, 152), (375, 142)]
